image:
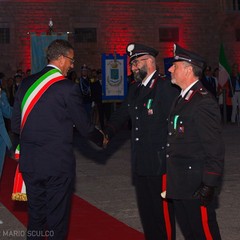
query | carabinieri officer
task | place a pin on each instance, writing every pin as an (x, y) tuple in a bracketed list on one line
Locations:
[(195, 150), (148, 104)]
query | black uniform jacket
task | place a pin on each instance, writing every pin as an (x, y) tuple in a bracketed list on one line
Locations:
[(195, 150), (46, 139), (148, 111)]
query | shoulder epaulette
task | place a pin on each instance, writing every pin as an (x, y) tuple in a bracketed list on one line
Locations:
[(202, 91), (191, 93), (163, 77)]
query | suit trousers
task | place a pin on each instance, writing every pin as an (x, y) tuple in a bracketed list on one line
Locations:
[(49, 202), (195, 221), (157, 215)]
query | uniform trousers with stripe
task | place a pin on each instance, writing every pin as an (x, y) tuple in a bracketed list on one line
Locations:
[(49, 202), (157, 215), (195, 221)]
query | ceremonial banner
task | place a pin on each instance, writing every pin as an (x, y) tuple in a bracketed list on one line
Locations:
[(39, 44), (224, 68), (114, 77)]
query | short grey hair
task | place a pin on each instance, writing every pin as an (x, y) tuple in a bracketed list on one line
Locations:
[(197, 71), (58, 48)]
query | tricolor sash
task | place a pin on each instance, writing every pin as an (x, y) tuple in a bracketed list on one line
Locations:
[(30, 98)]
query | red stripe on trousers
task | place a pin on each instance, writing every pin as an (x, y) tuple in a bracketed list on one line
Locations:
[(206, 229), (165, 209)]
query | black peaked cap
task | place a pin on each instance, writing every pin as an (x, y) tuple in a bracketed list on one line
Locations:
[(135, 50), (181, 54)]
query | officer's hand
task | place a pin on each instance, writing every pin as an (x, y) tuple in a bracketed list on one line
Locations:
[(205, 194), (105, 139)]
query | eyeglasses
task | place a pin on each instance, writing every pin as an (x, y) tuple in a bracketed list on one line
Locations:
[(71, 59), (136, 62)]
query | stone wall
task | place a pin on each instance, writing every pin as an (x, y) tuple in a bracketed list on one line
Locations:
[(202, 27)]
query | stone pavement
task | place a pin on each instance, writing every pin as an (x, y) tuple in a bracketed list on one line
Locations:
[(104, 180)]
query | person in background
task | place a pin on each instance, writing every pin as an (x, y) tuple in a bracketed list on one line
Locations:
[(72, 75), (235, 93), (107, 105), (5, 112), (195, 150), (28, 72), (147, 105), (84, 82), (96, 95), (215, 75), (9, 90), (16, 83), (47, 161), (209, 81)]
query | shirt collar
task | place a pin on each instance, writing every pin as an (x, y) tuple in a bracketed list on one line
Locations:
[(183, 92), (51, 65), (145, 83)]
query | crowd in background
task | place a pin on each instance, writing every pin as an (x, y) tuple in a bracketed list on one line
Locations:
[(228, 94), (90, 84)]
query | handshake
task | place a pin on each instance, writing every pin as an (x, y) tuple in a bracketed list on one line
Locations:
[(99, 138), (105, 139)]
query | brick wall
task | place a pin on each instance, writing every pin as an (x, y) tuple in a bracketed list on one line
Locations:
[(202, 28)]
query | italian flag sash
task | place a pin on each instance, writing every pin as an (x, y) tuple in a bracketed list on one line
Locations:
[(30, 98)]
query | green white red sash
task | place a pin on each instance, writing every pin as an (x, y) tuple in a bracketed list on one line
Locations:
[(31, 97)]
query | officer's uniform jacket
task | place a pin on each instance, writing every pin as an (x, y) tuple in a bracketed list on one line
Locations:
[(195, 150), (148, 109)]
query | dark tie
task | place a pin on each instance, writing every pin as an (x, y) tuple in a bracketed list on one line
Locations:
[(178, 99), (139, 90)]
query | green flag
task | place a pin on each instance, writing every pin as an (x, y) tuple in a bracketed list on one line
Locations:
[(224, 68)]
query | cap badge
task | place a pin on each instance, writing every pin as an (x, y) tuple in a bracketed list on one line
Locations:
[(174, 49), (130, 48)]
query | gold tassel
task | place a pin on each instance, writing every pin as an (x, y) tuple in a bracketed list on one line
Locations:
[(19, 197)]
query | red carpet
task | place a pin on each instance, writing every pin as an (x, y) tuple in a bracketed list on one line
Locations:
[(86, 222)]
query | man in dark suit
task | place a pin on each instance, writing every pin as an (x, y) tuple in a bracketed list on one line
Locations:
[(195, 152), (147, 104), (47, 160)]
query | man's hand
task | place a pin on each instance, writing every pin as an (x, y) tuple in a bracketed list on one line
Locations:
[(205, 194), (105, 139)]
